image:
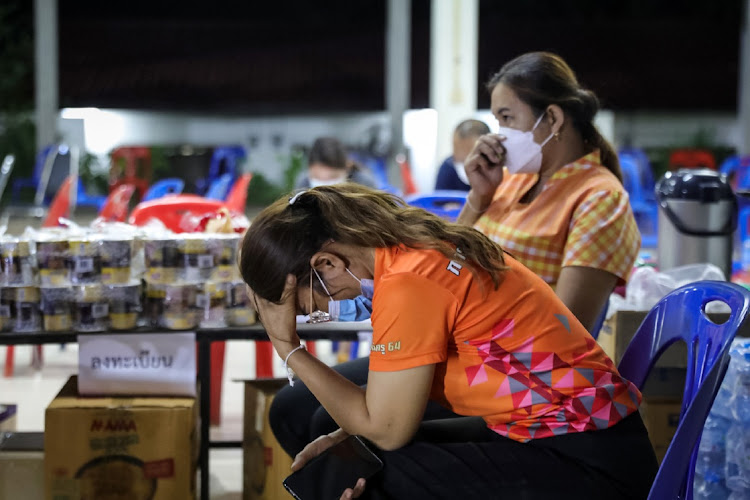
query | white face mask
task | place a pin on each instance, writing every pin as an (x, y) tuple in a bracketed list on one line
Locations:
[(328, 182), (461, 172), (522, 154)]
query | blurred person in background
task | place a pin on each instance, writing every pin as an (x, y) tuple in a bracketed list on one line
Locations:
[(328, 164), (458, 323), (451, 175), (548, 188)]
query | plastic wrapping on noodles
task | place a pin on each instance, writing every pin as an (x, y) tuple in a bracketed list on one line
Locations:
[(224, 247), (85, 261), (124, 305), (6, 320), (154, 297), (18, 264), (19, 309), (212, 303), (52, 259), (161, 260), (116, 260), (239, 310), (90, 308), (57, 308), (181, 311), (191, 258)]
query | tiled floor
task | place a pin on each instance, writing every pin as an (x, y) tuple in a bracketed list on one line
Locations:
[(32, 390)]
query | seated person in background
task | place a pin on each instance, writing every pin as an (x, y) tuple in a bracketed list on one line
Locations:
[(548, 187), (541, 411), (327, 164), (451, 175)]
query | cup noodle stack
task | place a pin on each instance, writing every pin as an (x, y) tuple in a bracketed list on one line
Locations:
[(118, 277)]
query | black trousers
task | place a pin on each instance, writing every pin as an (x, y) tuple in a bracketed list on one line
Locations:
[(297, 418), (462, 458), (452, 456)]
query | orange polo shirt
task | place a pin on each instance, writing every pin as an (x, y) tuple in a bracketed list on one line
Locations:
[(515, 356)]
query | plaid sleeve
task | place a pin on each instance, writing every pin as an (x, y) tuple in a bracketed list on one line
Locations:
[(603, 235)]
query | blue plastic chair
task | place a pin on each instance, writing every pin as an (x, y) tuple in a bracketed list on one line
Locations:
[(680, 315), (445, 204), (36, 174), (645, 173), (224, 160), (600, 321), (219, 189), (645, 209), (740, 167), (164, 187), (83, 199)]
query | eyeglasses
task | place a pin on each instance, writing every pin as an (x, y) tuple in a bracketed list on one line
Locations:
[(318, 316)]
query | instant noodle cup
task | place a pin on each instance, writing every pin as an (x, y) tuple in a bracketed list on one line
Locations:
[(116, 256), (90, 308), (224, 251), (181, 310), (18, 264), (24, 309), (57, 309), (124, 305), (197, 263), (212, 303), (154, 303), (52, 258), (239, 311), (85, 261), (6, 297), (161, 260)]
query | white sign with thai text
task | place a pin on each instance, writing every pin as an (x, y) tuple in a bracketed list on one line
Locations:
[(137, 364)]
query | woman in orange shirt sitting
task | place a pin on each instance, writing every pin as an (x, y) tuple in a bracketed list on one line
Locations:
[(541, 411)]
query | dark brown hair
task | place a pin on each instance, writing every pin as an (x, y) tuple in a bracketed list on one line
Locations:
[(540, 79), (329, 151), (283, 238)]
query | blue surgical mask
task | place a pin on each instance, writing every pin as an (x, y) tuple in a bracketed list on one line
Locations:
[(357, 309)]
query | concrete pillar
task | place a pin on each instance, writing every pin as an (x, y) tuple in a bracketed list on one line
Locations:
[(397, 77), (743, 100), (45, 71), (454, 40)]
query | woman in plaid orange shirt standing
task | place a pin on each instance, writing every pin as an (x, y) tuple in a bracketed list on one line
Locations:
[(547, 188)]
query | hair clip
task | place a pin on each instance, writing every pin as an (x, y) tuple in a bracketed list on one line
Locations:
[(292, 199)]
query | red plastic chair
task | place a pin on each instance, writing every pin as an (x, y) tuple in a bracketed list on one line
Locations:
[(115, 209), (237, 198), (172, 209), (60, 206), (409, 186), (691, 158), (130, 165)]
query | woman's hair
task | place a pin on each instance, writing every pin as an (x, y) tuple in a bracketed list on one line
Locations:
[(329, 151), (283, 238), (540, 79)]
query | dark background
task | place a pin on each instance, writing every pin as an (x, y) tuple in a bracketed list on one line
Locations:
[(298, 57)]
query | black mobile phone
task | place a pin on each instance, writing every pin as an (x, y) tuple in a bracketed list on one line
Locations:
[(339, 467)]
